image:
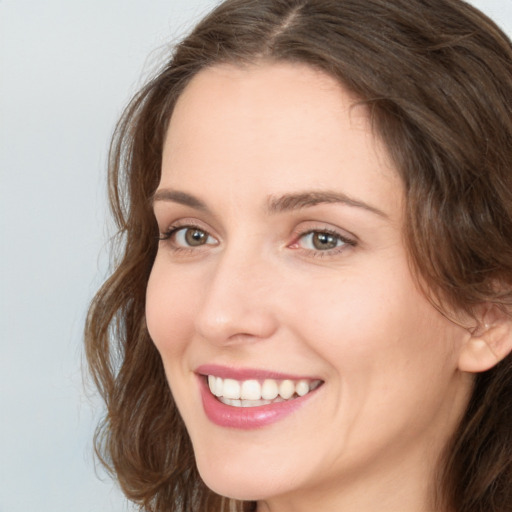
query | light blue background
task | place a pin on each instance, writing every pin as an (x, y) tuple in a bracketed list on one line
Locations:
[(67, 68)]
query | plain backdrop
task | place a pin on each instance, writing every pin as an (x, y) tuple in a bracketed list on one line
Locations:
[(67, 68)]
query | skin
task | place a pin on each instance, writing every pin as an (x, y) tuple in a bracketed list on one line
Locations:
[(259, 294)]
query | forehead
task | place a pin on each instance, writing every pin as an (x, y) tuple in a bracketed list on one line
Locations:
[(277, 125), (285, 93)]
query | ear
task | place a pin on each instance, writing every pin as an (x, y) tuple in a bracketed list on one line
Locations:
[(489, 343)]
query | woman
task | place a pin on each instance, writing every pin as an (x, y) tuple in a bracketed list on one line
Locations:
[(312, 310)]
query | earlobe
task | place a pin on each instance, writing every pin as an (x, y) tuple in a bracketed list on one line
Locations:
[(489, 344)]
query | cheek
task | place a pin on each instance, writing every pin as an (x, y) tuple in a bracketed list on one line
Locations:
[(390, 356), (169, 307), (350, 315), (378, 333)]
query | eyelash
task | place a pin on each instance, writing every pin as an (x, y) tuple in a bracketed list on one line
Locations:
[(173, 230), (345, 242), (319, 253)]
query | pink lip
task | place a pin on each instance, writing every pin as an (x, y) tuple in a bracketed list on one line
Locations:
[(245, 418), (227, 372)]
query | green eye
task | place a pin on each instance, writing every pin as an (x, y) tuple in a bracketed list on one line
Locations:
[(192, 236), (187, 237), (321, 241), (324, 241)]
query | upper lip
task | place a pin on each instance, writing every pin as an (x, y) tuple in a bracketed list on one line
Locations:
[(236, 373)]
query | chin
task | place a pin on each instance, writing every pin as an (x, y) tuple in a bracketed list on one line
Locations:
[(253, 482), (241, 487)]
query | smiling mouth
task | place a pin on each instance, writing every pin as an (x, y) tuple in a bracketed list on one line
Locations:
[(255, 393)]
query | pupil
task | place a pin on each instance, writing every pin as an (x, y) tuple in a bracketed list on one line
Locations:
[(324, 241), (195, 237)]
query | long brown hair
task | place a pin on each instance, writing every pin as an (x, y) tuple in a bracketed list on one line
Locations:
[(437, 78)]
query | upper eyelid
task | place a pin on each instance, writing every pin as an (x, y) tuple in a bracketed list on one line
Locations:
[(346, 241), (299, 216), (184, 223), (329, 232), (170, 213), (327, 227), (174, 228)]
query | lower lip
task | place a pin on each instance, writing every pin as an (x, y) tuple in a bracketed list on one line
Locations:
[(246, 418)]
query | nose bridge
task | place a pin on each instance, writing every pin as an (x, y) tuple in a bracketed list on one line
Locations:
[(237, 300)]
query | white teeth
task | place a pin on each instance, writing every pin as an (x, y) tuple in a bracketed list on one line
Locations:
[(244, 403), (286, 389), (251, 390), (269, 390), (216, 385), (231, 389), (219, 386), (253, 393), (302, 388)]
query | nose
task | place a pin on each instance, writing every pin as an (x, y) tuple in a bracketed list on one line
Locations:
[(238, 304)]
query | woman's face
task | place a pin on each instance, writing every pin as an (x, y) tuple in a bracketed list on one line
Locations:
[(282, 269)]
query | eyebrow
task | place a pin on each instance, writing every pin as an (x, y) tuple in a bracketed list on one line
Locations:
[(176, 196), (290, 202), (280, 204)]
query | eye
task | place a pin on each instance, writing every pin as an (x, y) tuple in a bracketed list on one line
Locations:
[(322, 240), (192, 237), (186, 237)]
